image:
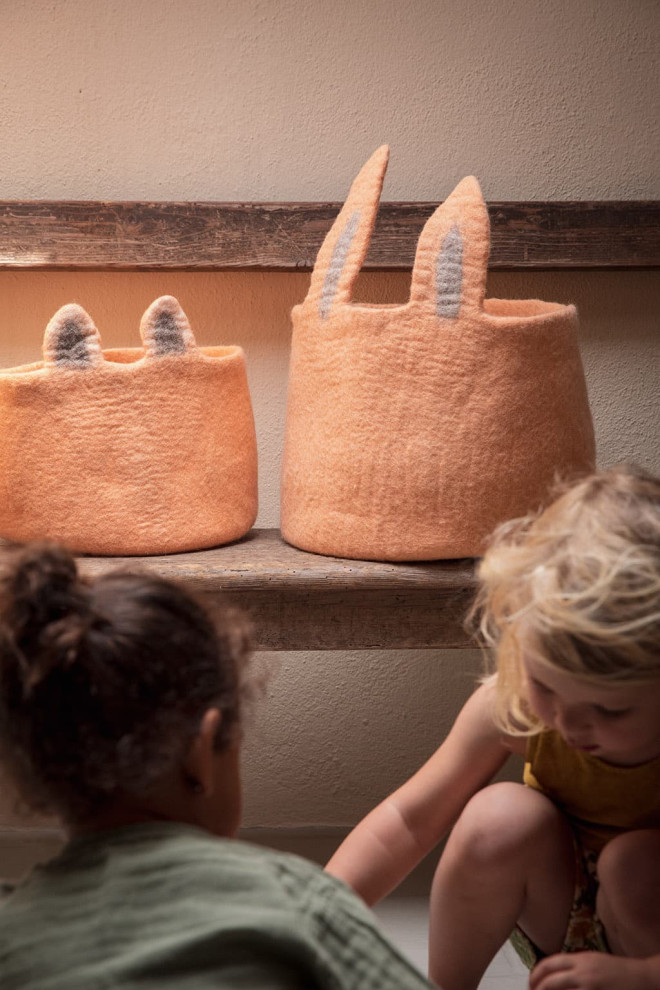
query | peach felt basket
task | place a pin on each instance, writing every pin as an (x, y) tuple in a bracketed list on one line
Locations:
[(135, 451), (412, 430)]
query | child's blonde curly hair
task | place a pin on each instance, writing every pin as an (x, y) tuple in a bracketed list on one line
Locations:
[(580, 583)]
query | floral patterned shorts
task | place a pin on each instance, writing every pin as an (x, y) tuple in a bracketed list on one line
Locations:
[(584, 932)]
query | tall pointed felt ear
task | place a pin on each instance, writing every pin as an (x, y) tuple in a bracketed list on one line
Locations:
[(71, 339), (343, 251), (451, 263), (165, 330)]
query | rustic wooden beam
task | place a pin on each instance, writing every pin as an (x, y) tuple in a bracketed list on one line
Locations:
[(304, 601), (89, 236)]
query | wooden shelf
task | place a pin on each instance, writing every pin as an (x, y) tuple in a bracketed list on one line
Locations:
[(285, 237), (303, 601)]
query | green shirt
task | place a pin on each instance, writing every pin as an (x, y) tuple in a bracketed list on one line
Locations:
[(163, 904)]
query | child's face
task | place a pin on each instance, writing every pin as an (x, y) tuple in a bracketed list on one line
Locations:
[(619, 724)]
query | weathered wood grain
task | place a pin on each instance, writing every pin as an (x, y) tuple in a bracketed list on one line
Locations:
[(87, 236), (304, 601)]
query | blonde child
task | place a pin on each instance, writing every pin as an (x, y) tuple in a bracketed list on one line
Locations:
[(120, 709), (570, 603)]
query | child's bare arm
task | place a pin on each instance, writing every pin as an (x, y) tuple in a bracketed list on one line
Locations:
[(398, 833)]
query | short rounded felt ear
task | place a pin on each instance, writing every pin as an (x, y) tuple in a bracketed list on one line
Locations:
[(451, 262), (344, 249), (71, 339), (165, 329)]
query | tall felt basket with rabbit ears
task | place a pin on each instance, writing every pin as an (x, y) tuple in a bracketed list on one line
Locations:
[(413, 429), (135, 451)]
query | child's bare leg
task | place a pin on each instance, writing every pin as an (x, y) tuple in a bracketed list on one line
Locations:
[(628, 903), (508, 859)]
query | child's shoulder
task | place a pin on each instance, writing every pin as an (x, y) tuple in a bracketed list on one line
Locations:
[(171, 862), (478, 719)]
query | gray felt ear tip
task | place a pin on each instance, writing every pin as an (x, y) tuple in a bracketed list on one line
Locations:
[(165, 328), (70, 313), (71, 338), (164, 305)]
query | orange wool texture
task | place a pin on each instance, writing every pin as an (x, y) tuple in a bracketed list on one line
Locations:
[(127, 451), (413, 430)]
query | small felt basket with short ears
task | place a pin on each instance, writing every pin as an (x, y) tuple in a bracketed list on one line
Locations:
[(145, 450)]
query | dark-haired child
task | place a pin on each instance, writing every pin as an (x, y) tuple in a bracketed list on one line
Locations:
[(120, 709)]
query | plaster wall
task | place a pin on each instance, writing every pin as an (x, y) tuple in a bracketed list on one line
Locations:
[(256, 100)]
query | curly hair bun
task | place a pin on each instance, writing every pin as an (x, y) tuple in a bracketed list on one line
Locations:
[(45, 611), (104, 680)]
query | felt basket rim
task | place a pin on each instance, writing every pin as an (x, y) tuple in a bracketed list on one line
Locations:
[(544, 311), (113, 360)]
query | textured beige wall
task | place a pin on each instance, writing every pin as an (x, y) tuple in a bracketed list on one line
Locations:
[(255, 99)]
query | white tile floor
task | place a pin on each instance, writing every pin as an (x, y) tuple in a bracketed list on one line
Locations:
[(406, 921)]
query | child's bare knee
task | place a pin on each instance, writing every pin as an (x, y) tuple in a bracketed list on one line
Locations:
[(503, 820), (629, 876)]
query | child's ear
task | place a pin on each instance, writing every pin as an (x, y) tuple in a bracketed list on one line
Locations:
[(199, 762)]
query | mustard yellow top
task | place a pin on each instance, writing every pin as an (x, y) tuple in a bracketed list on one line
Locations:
[(601, 800)]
